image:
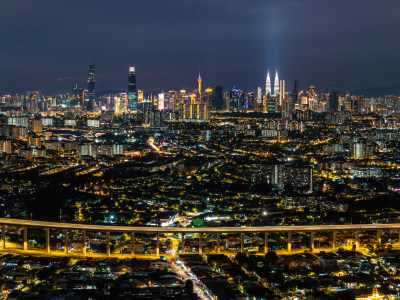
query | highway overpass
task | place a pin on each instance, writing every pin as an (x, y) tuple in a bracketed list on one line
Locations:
[(354, 229)]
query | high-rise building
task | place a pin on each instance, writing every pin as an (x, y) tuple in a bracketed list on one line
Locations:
[(208, 97), (276, 84), (334, 101), (259, 95), (161, 101), (37, 126), (195, 112), (132, 94), (281, 92), (268, 85), (295, 93), (5, 146), (91, 86), (218, 99)]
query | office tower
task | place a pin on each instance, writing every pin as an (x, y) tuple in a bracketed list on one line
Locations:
[(218, 98), (140, 96), (268, 85), (199, 81), (132, 94), (281, 92), (161, 100), (208, 97), (259, 95), (295, 93), (264, 104), (334, 101), (276, 84), (91, 86), (32, 102)]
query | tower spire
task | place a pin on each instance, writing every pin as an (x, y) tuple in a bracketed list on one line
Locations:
[(276, 84), (268, 85), (199, 82)]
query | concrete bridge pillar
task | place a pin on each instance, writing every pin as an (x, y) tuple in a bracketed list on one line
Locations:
[(182, 243), (265, 242), (133, 243), (399, 236), (357, 240), (108, 243), (158, 244), (379, 236), (241, 242), (3, 236), (47, 231), (25, 238), (334, 240), (84, 242), (200, 243), (289, 242), (312, 241), (66, 241), (218, 242)]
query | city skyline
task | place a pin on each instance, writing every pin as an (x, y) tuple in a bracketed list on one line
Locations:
[(246, 38), (210, 150)]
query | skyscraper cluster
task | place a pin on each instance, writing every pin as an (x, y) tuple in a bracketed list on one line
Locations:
[(268, 86)]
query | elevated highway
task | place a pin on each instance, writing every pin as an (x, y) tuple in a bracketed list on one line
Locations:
[(353, 229)]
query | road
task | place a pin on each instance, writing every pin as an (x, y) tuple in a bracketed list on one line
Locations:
[(258, 229), (198, 287)]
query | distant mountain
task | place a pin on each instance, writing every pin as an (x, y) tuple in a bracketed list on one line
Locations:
[(379, 91)]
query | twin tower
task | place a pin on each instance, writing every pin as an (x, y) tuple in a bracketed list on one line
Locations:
[(268, 89)]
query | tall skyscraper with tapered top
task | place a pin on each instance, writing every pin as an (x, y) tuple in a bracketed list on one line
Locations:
[(268, 85), (91, 86), (276, 84), (132, 93)]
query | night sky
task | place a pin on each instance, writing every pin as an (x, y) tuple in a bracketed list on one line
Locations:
[(47, 45)]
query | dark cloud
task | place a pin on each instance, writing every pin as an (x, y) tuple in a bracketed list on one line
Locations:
[(47, 44)]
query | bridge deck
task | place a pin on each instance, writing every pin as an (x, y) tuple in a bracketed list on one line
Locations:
[(258, 229)]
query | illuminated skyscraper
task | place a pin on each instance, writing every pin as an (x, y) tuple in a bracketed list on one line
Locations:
[(91, 86), (268, 85), (276, 84), (132, 94), (281, 92), (259, 95), (199, 81)]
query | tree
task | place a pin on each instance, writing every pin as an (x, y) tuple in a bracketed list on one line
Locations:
[(241, 258), (271, 257), (189, 286), (252, 267)]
